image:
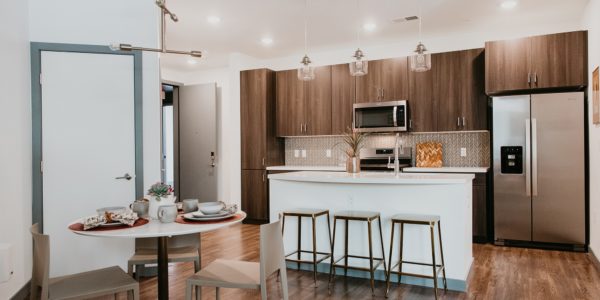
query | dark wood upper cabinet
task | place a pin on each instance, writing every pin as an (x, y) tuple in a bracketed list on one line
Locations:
[(539, 62), (318, 103), (290, 104), (304, 107), (387, 80), (421, 102), (259, 146), (507, 65), (559, 60), (459, 90), (474, 101), (342, 98)]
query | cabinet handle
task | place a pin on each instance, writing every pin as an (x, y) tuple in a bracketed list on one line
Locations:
[(410, 124), (458, 121), (305, 127), (263, 161), (535, 77), (263, 176), (464, 122), (528, 78)]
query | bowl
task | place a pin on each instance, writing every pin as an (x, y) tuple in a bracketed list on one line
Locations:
[(210, 208)]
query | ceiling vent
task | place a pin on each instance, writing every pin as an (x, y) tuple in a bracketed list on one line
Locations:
[(405, 19)]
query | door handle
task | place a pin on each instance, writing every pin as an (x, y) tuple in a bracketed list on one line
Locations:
[(534, 163), (126, 177), (528, 157)]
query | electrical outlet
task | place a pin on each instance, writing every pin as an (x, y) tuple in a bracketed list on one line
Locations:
[(463, 152), (303, 153), (296, 153), (328, 153)]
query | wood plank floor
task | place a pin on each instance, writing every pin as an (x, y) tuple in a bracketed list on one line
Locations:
[(497, 273)]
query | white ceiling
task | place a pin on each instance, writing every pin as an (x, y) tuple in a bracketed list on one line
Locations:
[(333, 23)]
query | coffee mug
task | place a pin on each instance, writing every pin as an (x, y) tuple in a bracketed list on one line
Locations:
[(167, 213), (140, 208), (190, 205)]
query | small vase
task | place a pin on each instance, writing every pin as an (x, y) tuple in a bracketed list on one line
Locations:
[(353, 165), (155, 203)]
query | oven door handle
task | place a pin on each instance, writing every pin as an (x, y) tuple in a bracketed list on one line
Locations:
[(395, 116)]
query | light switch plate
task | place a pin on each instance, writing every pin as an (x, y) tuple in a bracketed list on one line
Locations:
[(296, 153), (463, 152), (328, 153), (303, 153)]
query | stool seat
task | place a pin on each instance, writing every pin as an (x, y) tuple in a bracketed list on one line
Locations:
[(305, 212), (416, 218), (360, 215)]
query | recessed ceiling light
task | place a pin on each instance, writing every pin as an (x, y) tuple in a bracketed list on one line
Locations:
[(266, 41), (192, 61), (213, 19), (369, 26), (508, 4)]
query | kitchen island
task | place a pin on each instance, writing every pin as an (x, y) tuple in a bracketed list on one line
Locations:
[(446, 195)]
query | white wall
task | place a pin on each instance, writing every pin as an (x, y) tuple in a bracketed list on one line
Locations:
[(15, 141), (591, 22)]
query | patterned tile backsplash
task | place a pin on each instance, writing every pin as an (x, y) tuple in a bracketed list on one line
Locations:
[(476, 143)]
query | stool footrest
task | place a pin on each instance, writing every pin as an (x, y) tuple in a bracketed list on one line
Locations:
[(324, 257), (378, 262)]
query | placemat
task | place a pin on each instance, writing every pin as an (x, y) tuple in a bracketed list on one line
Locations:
[(79, 226), (233, 218)]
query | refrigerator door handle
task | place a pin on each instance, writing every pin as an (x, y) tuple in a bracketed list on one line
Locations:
[(528, 157), (534, 166)]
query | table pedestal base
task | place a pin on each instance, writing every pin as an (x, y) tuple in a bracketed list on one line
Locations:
[(163, 268)]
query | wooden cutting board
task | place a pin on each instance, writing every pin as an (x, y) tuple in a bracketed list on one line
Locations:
[(429, 155)]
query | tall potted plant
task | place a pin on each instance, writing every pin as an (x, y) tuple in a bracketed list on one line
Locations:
[(159, 194), (354, 142)]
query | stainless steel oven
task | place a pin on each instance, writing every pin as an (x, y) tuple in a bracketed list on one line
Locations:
[(381, 116)]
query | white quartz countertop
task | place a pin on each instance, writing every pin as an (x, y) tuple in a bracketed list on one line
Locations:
[(446, 170), (374, 178), (307, 168)]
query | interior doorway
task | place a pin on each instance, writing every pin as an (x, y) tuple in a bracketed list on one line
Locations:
[(170, 92)]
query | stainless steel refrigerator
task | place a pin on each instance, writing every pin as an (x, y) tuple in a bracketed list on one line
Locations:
[(539, 168)]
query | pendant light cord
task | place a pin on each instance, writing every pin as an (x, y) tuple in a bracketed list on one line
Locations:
[(420, 21), (358, 25), (306, 27)]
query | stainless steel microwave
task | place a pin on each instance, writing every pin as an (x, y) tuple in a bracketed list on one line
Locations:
[(381, 116)]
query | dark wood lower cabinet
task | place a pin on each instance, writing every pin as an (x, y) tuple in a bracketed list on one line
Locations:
[(480, 209), (255, 196)]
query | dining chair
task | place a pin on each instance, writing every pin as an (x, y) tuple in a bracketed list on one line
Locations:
[(242, 274), (183, 248), (107, 281)]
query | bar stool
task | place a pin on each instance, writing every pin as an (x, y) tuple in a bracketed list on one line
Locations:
[(374, 262), (313, 214), (430, 220)]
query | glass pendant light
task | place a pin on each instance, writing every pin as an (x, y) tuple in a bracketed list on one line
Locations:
[(421, 60), (306, 72), (360, 66)]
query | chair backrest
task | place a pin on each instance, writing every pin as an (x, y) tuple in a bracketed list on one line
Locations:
[(272, 257), (178, 241), (41, 261)]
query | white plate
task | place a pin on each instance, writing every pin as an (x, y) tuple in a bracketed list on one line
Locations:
[(111, 224), (190, 216), (199, 214)]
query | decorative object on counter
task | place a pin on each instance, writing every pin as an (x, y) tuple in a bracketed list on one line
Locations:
[(429, 155), (360, 66), (190, 205), (159, 194), (167, 213), (306, 72), (421, 60), (110, 218), (140, 207), (596, 95), (354, 140)]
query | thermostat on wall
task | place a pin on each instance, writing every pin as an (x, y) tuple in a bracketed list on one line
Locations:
[(6, 262)]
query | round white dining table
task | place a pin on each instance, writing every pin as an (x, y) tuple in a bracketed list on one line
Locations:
[(160, 231)]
